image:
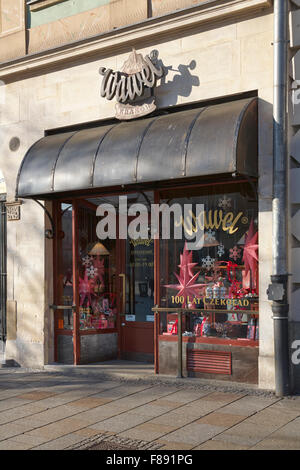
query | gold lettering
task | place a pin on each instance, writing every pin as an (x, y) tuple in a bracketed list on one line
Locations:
[(227, 221), (232, 229)]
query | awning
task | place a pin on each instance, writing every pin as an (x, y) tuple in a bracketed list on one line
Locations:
[(218, 139)]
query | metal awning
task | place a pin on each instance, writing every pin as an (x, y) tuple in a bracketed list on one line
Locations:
[(218, 139)]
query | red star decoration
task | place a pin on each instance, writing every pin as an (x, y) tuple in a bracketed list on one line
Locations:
[(186, 261), (250, 256), (186, 286)]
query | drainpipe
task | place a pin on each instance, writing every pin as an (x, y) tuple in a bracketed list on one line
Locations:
[(278, 290)]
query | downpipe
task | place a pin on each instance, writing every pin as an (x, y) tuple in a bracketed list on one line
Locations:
[(278, 290)]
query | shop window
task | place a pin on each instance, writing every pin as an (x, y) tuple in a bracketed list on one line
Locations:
[(97, 273), (64, 260), (219, 282)]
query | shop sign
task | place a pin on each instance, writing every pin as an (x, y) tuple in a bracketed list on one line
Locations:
[(13, 210), (130, 317), (129, 86)]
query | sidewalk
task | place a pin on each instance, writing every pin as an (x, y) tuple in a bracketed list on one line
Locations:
[(124, 405)]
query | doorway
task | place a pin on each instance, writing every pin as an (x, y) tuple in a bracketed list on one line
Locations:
[(137, 318), (104, 287)]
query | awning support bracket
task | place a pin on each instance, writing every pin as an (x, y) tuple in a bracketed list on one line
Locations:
[(49, 233)]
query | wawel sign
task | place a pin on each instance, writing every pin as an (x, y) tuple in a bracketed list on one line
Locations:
[(128, 87)]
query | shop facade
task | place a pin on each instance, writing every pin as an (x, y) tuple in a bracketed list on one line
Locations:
[(75, 298)]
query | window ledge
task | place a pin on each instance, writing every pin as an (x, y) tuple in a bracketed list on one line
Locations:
[(36, 5)]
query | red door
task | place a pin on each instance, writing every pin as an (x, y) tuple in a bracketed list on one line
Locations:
[(137, 293)]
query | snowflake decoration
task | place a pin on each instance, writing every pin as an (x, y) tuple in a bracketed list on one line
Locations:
[(87, 260), (92, 272), (225, 203), (220, 250), (210, 236), (208, 262), (235, 253)]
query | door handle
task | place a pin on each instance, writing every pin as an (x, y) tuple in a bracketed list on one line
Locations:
[(123, 276)]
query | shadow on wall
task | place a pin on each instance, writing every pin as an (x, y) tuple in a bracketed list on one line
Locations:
[(180, 85)]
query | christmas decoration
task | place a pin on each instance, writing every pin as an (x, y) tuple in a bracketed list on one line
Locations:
[(92, 272), (220, 250), (186, 261), (86, 289), (87, 260), (210, 236), (225, 202), (208, 262), (186, 279), (235, 253), (99, 265), (250, 256)]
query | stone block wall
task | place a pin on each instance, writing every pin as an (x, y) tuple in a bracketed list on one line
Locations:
[(207, 58), (12, 29)]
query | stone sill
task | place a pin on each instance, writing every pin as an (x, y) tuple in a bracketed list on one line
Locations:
[(210, 11), (40, 4)]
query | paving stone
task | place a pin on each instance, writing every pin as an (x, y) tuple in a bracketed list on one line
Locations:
[(274, 415), (198, 408), (151, 410), (86, 432), (88, 402), (36, 395), (60, 443), (193, 434), (173, 419), (12, 403), (272, 443), (166, 404), (247, 406), (19, 412), (246, 434), (120, 423), (58, 429), (174, 445), (9, 444), (289, 404), (147, 432), (27, 441), (224, 420), (222, 397), (11, 429), (186, 396), (219, 445)]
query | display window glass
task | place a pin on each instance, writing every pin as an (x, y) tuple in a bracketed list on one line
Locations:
[(97, 272), (219, 281), (64, 260)]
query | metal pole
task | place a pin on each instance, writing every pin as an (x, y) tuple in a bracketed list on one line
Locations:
[(179, 344), (279, 279)]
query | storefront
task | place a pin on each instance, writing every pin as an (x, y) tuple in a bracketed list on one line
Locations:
[(117, 297)]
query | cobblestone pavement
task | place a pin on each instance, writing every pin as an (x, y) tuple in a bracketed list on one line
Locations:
[(56, 410)]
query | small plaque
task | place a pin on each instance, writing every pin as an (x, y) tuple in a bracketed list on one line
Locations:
[(13, 211), (130, 317)]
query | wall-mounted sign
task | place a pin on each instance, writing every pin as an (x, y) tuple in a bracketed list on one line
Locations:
[(130, 317), (13, 210), (129, 86)]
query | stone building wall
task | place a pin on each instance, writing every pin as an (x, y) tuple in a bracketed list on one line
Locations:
[(207, 55)]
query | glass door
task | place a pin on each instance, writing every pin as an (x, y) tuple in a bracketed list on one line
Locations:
[(137, 326)]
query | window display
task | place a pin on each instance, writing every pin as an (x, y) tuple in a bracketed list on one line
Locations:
[(218, 282), (64, 317), (97, 274)]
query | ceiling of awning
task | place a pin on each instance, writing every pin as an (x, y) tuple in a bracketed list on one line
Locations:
[(219, 139)]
